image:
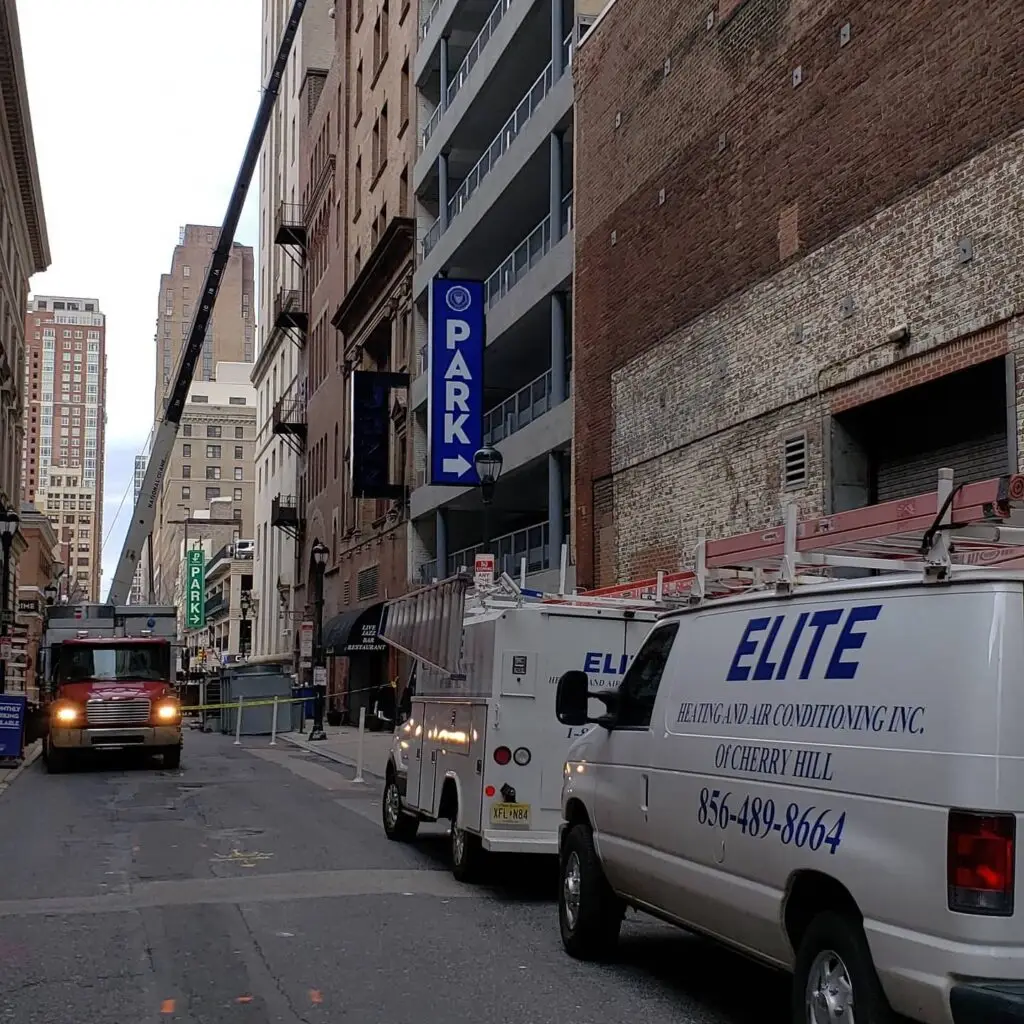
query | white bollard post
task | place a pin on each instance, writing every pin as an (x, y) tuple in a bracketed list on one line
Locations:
[(273, 726), (359, 750), (238, 723)]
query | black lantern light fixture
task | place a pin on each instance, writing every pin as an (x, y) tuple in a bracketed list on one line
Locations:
[(319, 554), (9, 521), (488, 462), (50, 593)]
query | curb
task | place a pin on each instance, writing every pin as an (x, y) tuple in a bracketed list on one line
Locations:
[(32, 753), (328, 755)]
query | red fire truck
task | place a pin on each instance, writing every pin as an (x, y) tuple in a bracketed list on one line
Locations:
[(109, 682)]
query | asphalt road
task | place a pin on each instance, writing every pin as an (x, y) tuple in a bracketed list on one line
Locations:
[(256, 886)]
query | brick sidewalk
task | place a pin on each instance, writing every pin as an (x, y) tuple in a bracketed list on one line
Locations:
[(342, 745)]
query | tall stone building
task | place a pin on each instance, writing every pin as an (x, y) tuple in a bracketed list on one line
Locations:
[(212, 465), (65, 426), (232, 330), (24, 251), (280, 391), (230, 339), (798, 264)]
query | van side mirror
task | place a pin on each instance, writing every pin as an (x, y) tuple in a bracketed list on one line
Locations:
[(572, 698)]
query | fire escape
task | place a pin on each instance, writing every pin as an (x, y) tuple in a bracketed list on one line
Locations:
[(290, 320)]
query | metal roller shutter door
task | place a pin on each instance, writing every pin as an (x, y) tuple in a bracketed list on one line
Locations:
[(980, 458)]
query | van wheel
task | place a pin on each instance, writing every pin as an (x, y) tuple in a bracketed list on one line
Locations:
[(589, 913), (834, 977), (398, 826), (467, 852)]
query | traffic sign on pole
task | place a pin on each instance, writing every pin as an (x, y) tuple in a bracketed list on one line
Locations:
[(195, 589)]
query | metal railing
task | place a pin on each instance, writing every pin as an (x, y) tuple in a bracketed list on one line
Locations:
[(499, 146), (431, 14), (518, 410), (428, 129), (508, 551), (526, 255), (290, 216), (216, 605), (476, 48)]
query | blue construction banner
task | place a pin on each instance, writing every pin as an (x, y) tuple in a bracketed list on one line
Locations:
[(12, 724), (455, 400)]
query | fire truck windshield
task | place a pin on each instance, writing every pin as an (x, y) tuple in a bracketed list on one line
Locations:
[(77, 663)]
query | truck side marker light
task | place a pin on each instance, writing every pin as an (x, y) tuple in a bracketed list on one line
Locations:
[(502, 755), (521, 757)]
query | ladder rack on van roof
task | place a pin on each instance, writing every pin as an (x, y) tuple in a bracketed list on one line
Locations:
[(977, 524)]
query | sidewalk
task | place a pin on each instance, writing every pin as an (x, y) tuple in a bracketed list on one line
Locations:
[(342, 745), (8, 775)]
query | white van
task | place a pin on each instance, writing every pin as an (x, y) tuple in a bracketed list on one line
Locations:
[(828, 778)]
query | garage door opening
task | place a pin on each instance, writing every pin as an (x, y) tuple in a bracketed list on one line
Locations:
[(894, 447)]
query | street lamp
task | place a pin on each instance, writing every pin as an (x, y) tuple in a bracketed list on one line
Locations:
[(246, 603), (8, 528), (318, 556), (488, 462), (50, 592)]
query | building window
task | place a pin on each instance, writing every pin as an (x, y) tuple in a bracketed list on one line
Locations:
[(238, 473), (186, 472), (201, 399), (239, 433), (357, 194), (186, 493), (236, 400), (186, 451), (238, 452), (237, 494), (213, 431), (213, 472), (186, 271), (212, 492), (186, 430), (236, 513), (213, 451), (403, 98), (359, 92)]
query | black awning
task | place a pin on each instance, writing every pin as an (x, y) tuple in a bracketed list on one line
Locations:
[(354, 631)]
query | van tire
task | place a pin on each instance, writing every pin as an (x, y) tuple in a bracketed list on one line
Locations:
[(467, 852), (399, 827), (591, 931), (842, 937)]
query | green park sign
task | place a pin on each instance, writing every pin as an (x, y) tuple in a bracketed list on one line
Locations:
[(195, 589)]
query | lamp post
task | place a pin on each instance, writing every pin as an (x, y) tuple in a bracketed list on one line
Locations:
[(8, 528), (318, 556), (488, 462), (246, 604), (50, 593)]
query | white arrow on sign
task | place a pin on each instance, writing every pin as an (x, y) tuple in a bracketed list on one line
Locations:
[(458, 466)]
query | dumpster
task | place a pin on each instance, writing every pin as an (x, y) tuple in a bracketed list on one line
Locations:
[(258, 684)]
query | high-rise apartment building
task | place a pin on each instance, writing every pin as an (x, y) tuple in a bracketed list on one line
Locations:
[(281, 398), (212, 464), (62, 462), (231, 332)]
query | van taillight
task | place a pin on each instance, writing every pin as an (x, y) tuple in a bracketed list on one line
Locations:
[(979, 863), (502, 755)]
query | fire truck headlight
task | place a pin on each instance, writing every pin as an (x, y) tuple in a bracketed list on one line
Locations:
[(66, 715), (168, 712)]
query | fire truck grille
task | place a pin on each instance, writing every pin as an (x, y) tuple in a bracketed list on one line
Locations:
[(134, 711)]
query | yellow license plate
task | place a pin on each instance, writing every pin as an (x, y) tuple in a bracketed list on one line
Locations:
[(510, 814)]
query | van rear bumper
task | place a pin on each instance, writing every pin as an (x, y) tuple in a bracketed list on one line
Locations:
[(987, 1002)]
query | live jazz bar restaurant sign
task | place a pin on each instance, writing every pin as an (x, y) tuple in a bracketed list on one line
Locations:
[(195, 589), (455, 415)]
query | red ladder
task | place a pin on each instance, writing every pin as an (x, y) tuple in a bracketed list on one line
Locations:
[(981, 525)]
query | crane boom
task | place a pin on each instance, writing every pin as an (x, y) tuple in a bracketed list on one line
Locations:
[(144, 513)]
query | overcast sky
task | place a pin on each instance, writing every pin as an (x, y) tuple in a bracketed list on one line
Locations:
[(140, 110)]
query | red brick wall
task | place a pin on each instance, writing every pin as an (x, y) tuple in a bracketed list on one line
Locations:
[(752, 165)]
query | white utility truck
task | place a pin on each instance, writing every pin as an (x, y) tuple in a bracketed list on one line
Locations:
[(483, 748)]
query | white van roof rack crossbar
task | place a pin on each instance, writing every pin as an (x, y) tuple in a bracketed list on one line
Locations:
[(978, 524)]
